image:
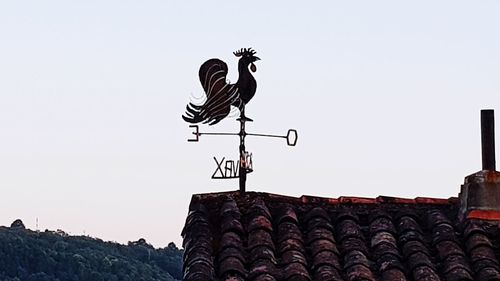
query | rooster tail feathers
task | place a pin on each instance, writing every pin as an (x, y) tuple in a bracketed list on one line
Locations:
[(193, 114), (188, 119), (220, 95), (210, 72), (192, 109)]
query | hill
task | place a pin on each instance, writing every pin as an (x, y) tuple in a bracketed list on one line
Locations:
[(55, 256)]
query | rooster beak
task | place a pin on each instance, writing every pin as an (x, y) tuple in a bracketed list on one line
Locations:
[(256, 58)]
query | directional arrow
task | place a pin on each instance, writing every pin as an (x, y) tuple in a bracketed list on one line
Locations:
[(291, 136)]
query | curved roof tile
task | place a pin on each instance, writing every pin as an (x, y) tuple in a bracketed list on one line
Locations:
[(267, 237)]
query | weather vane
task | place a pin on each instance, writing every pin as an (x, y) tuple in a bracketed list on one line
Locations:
[(220, 96)]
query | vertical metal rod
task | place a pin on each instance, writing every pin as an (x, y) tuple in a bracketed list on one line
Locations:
[(488, 139), (243, 170)]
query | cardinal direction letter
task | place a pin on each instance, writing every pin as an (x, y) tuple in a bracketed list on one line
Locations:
[(218, 169), (196, 133)]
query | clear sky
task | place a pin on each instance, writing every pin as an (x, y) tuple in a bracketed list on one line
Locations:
[(385, 95)]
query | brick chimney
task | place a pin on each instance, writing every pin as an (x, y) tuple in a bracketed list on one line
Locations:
[(480, 193)]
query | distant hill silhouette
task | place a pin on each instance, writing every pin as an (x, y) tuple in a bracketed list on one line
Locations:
[(55, 256)]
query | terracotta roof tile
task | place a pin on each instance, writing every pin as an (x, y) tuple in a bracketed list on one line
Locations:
[(259, 236)]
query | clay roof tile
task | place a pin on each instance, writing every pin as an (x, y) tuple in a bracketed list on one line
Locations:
[(269, 237)]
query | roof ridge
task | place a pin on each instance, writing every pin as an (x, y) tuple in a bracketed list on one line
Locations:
[(330, 201)]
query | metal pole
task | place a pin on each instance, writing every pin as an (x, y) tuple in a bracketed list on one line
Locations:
[(488, 139), (243, 171)]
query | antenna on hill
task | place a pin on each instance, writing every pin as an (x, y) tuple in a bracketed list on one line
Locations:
[(220, 96)]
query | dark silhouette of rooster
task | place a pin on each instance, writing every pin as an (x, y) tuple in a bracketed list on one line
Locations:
[(220, 94)]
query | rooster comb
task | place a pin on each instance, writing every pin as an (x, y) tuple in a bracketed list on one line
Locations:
[(244, 51)]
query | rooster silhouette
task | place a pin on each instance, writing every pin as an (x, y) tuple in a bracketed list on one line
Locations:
[(222, 95)]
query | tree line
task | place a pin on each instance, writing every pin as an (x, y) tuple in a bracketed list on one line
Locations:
[(55, 256)]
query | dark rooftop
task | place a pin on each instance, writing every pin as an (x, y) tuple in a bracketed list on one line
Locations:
[(261, 236)]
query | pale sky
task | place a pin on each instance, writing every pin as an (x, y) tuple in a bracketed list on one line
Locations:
[(385, 96)]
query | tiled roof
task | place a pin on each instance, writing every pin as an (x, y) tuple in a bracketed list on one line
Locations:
[(266, 237)]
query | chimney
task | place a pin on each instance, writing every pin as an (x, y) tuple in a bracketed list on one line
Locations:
[(480, 193), (488, 139)]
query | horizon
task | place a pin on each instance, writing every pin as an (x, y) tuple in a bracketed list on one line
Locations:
[(386, 98)]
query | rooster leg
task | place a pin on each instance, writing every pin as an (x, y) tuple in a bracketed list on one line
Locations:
[(242, 115)]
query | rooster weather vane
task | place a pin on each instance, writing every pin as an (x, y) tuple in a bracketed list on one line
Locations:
[(220, 97)]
